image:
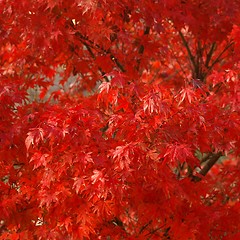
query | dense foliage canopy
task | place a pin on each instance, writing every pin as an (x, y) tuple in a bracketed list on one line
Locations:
[(140, 137)]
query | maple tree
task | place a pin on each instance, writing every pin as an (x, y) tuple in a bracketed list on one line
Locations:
[(143, 142)]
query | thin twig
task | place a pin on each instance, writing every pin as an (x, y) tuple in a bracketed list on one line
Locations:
[(145, 226), (88, 42), (93, 56), (101, 49)]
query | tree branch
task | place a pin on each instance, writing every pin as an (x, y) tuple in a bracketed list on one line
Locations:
[(115, 60), (210, 160), (93, 45), (206, 158), (198, 60), (218, 58), (141, 48), (209, 54), (93, 56), (192, 60)]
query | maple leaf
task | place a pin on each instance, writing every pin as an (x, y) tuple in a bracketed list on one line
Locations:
[(67, 224), (104, 87), (52, 3), (122, 155), (151, 102), (153, 155), (87, 5), (187, 94), (47, 199), (56, 34), (48, 177), (79, 183), (156, 103), (83, 158), (34, 137), (43, 93), (97, 176), (181, 153), (40, 159), (104, 208), (117, 79)]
